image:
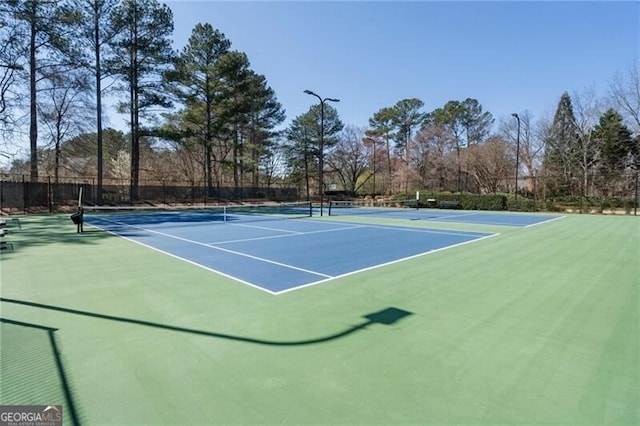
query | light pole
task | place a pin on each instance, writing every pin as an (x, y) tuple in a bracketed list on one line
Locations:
[(517, 153), (321, 159)]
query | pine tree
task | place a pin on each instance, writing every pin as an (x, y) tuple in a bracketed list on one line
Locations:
[(381, 125), (476, 122), (452, 118), (562, 147), (617, 147), (196, 84), (96, 31), (407, 117), (140, 53), (303, 136)]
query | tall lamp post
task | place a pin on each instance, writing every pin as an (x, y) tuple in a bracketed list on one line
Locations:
[(517, 153), (321, 159)]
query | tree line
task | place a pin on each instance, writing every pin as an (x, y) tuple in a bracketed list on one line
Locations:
[(202, 115)]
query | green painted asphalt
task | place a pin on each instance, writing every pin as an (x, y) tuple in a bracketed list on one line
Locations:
[(534, 326)]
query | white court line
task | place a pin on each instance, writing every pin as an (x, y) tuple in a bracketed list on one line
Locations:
[(326, 277), (284, 265), (382, 264), (265, 227), (392, 228), (544, 221), (215, 271), (286, 235), (426, 230), (452, 215), (480, 222)]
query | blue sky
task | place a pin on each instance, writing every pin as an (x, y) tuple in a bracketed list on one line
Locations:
[(512, 56)]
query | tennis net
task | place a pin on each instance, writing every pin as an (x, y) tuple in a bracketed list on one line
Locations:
[(141, 214), (361, 207)]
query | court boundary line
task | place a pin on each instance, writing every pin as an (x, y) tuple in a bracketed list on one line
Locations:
[(544, 221), (450, 218), (286, 235), (264, 227), (384, 264), (212, 247), (175, 256), (426, 230), (494, 214), (326, 278)]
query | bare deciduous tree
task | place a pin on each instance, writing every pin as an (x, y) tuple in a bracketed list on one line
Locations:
[(489, 164), (349, 158), (587, 109), (624, 89), (531, 143)]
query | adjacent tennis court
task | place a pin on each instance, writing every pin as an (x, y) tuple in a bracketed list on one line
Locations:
[(350, 208), (145, 318)]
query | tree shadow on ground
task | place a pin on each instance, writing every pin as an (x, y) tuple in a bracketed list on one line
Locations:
[(44, 230)]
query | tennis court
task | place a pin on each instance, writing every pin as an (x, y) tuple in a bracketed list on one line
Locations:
[(274, 254), (439, 322), (349, 208)]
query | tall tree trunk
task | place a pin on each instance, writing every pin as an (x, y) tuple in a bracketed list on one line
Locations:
[(33, 125), (135, 113), (98, 106), (388, 165), (236, 185)]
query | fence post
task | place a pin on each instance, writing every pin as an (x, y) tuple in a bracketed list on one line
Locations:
[(49, 194), (25, 195), (635, 205)]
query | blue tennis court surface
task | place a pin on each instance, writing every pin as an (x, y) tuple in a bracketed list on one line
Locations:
[(467, 216), (279, 255)]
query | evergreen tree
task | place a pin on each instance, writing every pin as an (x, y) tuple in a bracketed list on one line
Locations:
[(266, 113), (298, 151), (235, 107), (562, 152), (140, 53), (381, 125), (477, 123), (304, 139), (452, 118), (407, 116), (97, 31), (617, 147), (195, 83)]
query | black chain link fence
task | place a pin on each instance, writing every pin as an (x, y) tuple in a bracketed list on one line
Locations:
[(18, 195)]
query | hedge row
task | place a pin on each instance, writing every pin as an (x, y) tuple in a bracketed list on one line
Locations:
[(467, 201), (589, 204), (510, 202)]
